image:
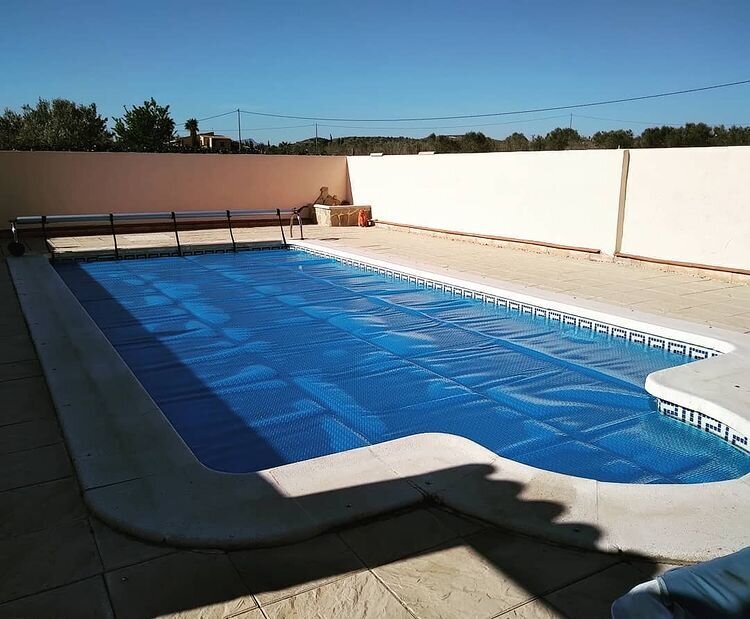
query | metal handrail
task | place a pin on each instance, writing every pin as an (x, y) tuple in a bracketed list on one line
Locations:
[(296, 215), (17, 248)]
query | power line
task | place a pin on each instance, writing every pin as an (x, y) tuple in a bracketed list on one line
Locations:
[(508, 113), (379, 128), (267, 128), (286, 127), (426, 128), (216, 116), (236, 130)]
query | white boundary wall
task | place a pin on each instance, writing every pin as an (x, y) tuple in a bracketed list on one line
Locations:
[(564, 198), (689, 205)]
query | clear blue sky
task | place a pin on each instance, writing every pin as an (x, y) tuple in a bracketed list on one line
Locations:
[(381, 59)]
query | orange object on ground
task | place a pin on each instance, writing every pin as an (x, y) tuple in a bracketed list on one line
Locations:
[(362, 218)]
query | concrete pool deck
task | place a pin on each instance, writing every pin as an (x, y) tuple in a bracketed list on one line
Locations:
[(422, 594)]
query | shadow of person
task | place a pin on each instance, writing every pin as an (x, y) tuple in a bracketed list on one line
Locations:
[(443, 557)]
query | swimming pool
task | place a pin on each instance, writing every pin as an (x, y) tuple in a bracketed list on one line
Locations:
[(260, 359)]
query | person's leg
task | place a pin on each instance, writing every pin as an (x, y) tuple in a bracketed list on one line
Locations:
[(644, 600)]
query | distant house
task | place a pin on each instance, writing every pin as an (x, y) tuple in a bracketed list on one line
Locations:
[(209, 140)]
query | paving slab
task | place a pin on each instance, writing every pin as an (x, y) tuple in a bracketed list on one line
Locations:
[(485, 574), (29, 435), (541, 567), (273, 574), (451, 581), (24, 399), (593, 596), (360, 596), (86, 599), (119, 550), (650, 569), (17, 346), (13, 370), (45, 559), (398, 536), (42, 506), (12, 319), (34, 466), (536, 609), (255, 613), (461, 524), (184, 584)]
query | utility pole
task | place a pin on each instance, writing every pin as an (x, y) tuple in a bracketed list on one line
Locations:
[(317, 152), (239, 132), (571, 121)]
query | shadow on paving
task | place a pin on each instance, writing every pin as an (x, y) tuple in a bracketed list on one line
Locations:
[(435, 561)]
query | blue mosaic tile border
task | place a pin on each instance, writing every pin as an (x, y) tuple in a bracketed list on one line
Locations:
[(704, 422), (654, 341), (673, 346)]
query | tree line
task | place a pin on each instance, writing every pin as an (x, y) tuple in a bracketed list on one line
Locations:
[(61, 124), (690, 134)]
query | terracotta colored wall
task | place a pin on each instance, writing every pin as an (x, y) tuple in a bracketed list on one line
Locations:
[(34, 183)]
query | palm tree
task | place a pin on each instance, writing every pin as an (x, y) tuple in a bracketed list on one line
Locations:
[(191, 125)]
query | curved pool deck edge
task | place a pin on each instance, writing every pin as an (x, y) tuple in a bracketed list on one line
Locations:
[(139, 476)]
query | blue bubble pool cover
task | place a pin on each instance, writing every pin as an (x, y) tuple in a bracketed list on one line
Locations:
[(264, 358)]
